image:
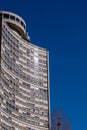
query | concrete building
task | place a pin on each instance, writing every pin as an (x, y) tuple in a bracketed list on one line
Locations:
[(24, 78)]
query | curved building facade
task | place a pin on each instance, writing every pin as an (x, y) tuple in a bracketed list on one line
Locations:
[(24, 78)]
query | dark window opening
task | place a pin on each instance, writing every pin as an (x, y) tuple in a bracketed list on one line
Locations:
[(24, 26), (22, 23), (6, 16), (17, 19), (12, 17)]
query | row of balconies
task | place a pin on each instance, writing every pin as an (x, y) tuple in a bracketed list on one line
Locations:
[(13, 61), (23, 117), (9, 33), (12, 68), (13, 44), (42, 51), (8, 61), (27, 87), (27, 106), (16, 46), (13, 125), (26, 95)]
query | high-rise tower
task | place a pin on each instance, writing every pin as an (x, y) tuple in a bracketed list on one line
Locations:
[(24, 78)]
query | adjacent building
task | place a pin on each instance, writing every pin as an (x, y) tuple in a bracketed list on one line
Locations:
[(24, 78)]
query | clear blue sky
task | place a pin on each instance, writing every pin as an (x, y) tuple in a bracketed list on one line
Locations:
[(61, 27)]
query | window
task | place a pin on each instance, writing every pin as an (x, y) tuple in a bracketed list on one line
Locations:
[(13, 107), (22, 23), (17, 19), (12, 17), (24, 26), (8, 111), (6, 16)]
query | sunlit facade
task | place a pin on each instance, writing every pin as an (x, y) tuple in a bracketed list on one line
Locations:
[(24, 78)]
